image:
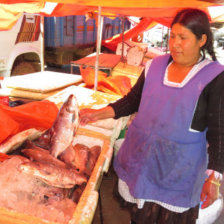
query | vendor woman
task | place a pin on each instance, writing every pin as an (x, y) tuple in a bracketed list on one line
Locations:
[(163, 161)]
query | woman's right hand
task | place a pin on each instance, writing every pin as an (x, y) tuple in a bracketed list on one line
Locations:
[(88, 115)]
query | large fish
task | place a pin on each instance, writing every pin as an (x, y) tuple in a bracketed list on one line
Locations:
[(53, 175), (42, 155), (76, 156), (81, 157), (64, 127), (94, 154)]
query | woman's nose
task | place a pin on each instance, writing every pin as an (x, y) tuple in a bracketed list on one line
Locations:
[(176, 41)]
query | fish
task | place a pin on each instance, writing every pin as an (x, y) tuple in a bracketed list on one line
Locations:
[(76, 156), (44, 140), (53, 175), (18, 139), (42, 155), (81, 157), (65, 126), (77, 192), (94, 154)]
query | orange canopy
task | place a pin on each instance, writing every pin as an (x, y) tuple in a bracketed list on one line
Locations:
[(161, 10), (112, 42), (142, 8), (124, 3), (9, 14)]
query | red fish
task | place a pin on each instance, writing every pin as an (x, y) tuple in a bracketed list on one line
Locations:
[(76, 156), (53, 175), (42, 155), (94, 154), (44, 140), (65, 126), (81, 157)]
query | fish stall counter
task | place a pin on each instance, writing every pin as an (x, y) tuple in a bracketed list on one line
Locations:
[(38, 85), (87, 98), (105, 132), (99, 134)]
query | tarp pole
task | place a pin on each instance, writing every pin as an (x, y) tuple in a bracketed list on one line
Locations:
[(122, 53), (162, 38), (167, 40), (98, 46), (42, 43)]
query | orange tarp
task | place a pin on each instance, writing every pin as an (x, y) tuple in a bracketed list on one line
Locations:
[(113, 41), (88, 76), (119, 85), (158, 10), (69, 9), (124, 3), (145, 24), (39, 115), (106, 61), (9, 14), (142, 8)]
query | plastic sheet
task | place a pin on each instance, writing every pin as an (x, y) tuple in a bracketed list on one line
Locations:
[(4, 100), (119, 84), (8, 126), (88, 76), (39, 115)]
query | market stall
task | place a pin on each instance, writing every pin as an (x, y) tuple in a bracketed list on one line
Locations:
[(103, 133)]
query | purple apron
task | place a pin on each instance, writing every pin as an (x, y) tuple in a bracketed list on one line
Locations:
[(160, 158)]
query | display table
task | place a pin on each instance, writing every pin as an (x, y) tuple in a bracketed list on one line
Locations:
[(102, 133), (106, 61), (105, 132), (38, 85)]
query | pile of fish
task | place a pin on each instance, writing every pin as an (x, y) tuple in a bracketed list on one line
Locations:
[(47, 177)]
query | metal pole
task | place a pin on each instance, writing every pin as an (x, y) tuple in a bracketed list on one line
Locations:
[(98, 46), (167, 40), (162, 38), (122, 53), (42, 43)]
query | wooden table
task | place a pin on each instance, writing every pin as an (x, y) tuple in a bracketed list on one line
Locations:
[(106, 61)]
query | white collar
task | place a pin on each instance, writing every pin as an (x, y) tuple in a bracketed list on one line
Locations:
[(197, 67)]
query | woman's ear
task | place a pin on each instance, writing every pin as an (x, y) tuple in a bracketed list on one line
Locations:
[(203, 40)]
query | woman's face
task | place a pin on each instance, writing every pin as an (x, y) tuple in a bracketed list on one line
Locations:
[(184, 46)]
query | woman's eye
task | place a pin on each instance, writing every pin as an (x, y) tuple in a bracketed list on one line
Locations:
[(183, 38)]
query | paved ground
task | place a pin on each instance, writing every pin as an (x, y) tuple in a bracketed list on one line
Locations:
[(108, 210)]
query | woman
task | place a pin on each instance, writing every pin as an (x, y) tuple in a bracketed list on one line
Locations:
[(162, 163)]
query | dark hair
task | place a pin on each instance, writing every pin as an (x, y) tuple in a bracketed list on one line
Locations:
[(198, 22)]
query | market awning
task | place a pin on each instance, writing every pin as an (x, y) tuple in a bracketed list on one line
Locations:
[(126, 3), (9, 14), (160, 10)]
